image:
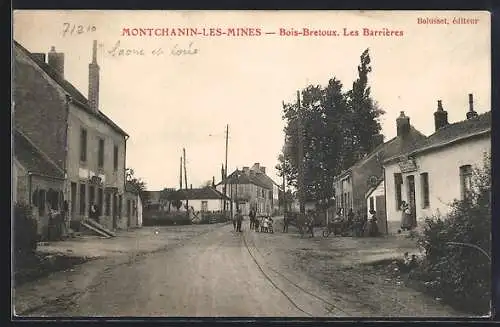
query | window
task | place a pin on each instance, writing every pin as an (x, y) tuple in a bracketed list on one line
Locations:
[(73, 197), (120, 200), (107, 209), (424, 184), (372, 205), (398, 182), (465, 180), (82, 199), (100, 154), (83, 145), (115, 158), (204, 206)]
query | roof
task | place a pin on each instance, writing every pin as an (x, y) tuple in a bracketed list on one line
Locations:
[(206, 193), (33, 159), (72, 91), (240, 177), (394, 147), (452, 133)]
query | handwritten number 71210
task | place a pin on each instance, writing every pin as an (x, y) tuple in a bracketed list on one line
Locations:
[(74, 29)]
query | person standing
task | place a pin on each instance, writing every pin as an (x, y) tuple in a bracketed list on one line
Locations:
[(373, 224), (234, 220), (405, 216), (94, 212), (239, 220), (285, 224)]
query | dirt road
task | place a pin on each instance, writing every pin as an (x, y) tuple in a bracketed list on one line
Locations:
[(222, 273)]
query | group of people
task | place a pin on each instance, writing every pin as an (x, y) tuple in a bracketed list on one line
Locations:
[(359, 224)]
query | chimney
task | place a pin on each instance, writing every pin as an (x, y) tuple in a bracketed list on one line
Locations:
[(471, 113), (246, 170), (263, 169), (93, 95), (403, 124), (39, 56), (56, 61), (377, 139), (256, 166), (440, 116)]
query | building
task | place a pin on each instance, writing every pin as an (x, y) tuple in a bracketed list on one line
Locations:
[(439, 171), (206, 199), (251, 188), (78, 138), (352, 186), (375, 200), (36, 179), (133, 207)]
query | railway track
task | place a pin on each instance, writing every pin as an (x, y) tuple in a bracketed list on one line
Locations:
[(331, 306)]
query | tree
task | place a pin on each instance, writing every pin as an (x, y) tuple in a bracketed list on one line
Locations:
[(207, 183), (138, 184), (363, 118), (337, 129)]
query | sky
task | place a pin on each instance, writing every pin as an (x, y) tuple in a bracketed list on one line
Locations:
[(176, 99)]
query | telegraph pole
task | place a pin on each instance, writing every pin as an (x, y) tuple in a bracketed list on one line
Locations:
[(300, 157), (225, 170), (185, 178)]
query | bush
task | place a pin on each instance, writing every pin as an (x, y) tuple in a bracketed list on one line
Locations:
[(461, 273), (25, 230)]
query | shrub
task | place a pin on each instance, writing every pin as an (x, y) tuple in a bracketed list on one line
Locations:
[(25, 230), (460, 273)]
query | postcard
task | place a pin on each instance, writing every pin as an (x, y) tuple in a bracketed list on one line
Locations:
[(249, 164)]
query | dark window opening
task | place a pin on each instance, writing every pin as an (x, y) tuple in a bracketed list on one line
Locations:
[(83, 145), (107, 210), (424, 180), (115, 158), (465, 181), (398, 182), (73, 197), (100, 154), (82, 199)]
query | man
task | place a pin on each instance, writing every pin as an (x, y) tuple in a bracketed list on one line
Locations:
[(235, 216), (239, 219), (310, 223), (285, 224)]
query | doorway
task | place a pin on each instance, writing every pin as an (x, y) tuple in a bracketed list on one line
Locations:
[(411, 199)]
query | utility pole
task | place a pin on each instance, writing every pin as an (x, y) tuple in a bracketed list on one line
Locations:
[(300, 157), (180, 176), (225, 170), (284, 189), (185, 179)]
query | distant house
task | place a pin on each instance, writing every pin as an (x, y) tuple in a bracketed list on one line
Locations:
[(36, 180), (352, 185), (251, 188), (440, 169), (206, 199)]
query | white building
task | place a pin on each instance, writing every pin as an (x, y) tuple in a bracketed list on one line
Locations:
[(206, 199), (440, 169)]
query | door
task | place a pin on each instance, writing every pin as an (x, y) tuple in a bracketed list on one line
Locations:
[(411, 199), (381, 214)]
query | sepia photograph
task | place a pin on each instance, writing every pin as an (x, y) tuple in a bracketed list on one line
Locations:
[(284, 164)]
